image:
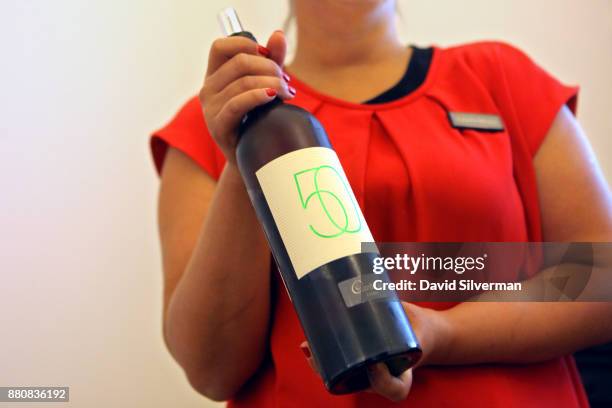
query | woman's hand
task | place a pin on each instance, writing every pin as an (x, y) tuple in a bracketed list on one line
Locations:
[(241, 75), (433, 332)]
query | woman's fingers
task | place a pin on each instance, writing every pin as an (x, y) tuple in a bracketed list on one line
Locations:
[(235, 108), (306, 350), (238, 66), (383, 383), (381, 380), (249, 82), (224, 49), (244, 94), (241, 75), (277, 45)]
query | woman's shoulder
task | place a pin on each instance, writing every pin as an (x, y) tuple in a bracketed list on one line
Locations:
[(488, 59), (496, 68), (504, 70), (187, 132), (525, 94), (489, 51)]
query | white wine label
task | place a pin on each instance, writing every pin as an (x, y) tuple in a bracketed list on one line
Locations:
[(313, 207)]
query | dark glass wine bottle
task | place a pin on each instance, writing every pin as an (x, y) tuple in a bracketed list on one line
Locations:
[(315, 228)]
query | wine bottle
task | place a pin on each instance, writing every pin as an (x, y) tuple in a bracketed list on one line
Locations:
[(315, 228)]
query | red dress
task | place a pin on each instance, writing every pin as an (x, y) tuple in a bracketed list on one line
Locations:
[(417, 178)]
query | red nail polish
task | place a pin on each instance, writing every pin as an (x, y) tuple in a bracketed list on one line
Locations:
[(270, 92), (306, 351), (292, 91), (263, 50), (280, 32), (286, 77)]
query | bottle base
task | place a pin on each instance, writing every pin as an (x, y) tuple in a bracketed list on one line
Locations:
[(356, 378)]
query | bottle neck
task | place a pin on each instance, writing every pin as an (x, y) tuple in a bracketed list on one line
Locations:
[(255, 114)]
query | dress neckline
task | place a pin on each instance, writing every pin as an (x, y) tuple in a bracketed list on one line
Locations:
[(429, 79)]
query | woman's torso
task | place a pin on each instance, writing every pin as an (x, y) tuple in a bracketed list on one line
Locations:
[(418, 179)]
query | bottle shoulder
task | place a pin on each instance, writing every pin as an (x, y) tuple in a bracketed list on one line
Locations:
[(280, 117), (276, 130), (278, 110)]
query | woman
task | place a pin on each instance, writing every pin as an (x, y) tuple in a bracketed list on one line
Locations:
[(228, 321)]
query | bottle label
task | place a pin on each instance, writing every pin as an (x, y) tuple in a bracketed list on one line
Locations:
[(314, 207)]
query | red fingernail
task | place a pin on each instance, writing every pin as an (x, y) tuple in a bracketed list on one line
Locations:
[(292, 91), (306, 351), (263, 50), (280, 32), (286, 77), (270, 92)]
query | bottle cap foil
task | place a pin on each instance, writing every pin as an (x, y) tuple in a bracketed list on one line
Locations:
[(229, 21)]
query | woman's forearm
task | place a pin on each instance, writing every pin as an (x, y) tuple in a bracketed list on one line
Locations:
[(217, 318), (521, 332)]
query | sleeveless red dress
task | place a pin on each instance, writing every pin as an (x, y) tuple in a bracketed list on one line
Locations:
[(417, 178)]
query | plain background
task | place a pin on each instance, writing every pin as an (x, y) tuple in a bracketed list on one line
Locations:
[(83, 83)]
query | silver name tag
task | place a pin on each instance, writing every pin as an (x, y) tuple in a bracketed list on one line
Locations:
[(477, 121)]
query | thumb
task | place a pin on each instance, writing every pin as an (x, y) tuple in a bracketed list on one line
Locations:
[(277, 44)]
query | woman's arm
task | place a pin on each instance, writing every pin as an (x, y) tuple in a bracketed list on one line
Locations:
[(217, 279), (216, 260), (576, 205), (517, 332)]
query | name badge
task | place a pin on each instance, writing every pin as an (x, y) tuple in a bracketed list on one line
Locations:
[(476, 121)]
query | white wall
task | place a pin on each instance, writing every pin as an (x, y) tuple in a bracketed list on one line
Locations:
[(82, 85)]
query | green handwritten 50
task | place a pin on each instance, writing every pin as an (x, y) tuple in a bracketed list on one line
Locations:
[(347, 220)]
